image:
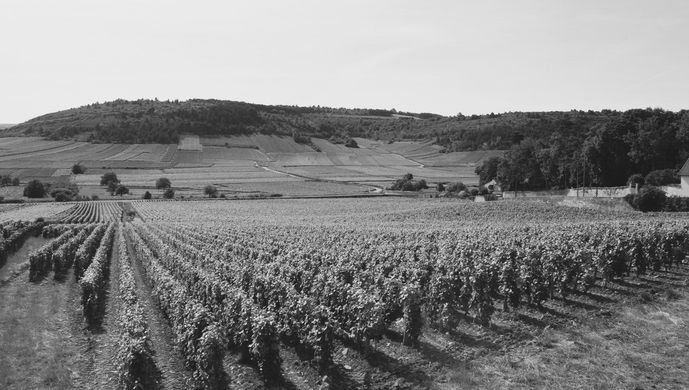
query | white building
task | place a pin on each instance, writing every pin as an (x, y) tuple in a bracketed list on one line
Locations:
[(684, 177)]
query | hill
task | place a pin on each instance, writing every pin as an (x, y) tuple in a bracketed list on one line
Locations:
[(600, 147), (153, 121), (5, 126)]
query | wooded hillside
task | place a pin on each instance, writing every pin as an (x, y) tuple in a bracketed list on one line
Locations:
[(609, 145)]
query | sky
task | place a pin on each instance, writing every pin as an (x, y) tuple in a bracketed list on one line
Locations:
[(445, 57)]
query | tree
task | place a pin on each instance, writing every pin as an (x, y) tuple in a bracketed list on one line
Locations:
[(210, 190), (169, 193), (456, 187), (15, 181), (662, 177), (406, 183), (147, 195), (63, 185), (488, 170), (109, 177), (520, 169), (62, 195), (34, 189), (78, 169), (112, 187), (440, 187), (163, 183), (636, 179), (605, 156), (121, 190)]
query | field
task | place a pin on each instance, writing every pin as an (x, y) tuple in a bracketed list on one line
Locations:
[(378, 293), (252, 165)]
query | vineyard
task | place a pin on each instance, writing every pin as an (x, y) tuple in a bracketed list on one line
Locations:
[(348, 294)]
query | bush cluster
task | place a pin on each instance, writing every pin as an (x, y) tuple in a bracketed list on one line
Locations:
[(407, 183), (649, 198), (7, 180), (662, 177)]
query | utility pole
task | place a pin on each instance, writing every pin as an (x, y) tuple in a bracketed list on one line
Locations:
[(584, 178), (576, 174)]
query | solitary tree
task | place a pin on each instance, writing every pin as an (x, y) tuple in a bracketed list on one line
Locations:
[(78, 169), (147, 195), (109, 177), (163, 183), (34, 189), (636, 179), (210, 190)]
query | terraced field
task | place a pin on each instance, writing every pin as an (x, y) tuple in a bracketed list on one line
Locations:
[(238, 165)]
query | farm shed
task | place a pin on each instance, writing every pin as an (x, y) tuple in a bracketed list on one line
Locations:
[(684, 177)]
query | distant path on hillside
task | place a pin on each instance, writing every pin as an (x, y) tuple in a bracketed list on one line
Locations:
[(376, 189)]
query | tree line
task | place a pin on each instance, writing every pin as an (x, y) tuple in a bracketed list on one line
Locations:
[(602, 154)]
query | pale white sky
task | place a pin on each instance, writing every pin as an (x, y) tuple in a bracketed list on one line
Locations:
[(422, 56)]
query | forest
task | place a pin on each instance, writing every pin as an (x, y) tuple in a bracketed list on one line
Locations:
[(605, 153)]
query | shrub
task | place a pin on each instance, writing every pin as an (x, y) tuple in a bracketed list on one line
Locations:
[(440, 187), (34, 189), (163, 183), (62, 195), (147, 195), (168, 194), (456, 187), (662, 177), (95, 197), (210, 190), (474, 191), (351, 143), (78, 169), (300, 139), (650, 199)]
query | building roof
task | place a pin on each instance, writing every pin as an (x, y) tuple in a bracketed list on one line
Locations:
[(685, 169)]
